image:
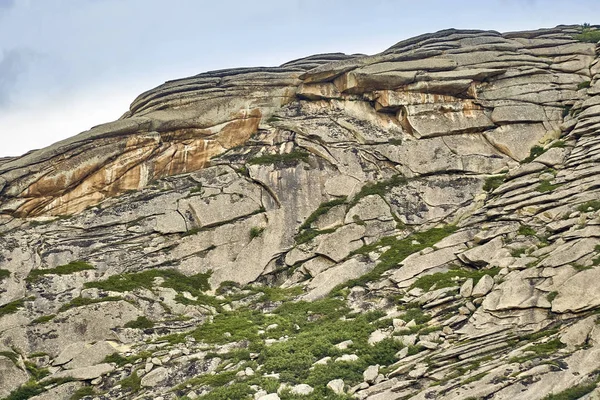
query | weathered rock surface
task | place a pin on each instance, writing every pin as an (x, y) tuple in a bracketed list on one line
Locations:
[(423, 223)]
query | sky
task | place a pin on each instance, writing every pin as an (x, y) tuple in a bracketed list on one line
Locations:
[(68, 65)]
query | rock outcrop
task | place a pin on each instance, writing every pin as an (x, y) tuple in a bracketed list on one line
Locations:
[(421, 223)]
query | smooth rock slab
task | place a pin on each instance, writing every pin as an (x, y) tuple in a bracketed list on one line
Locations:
[(155, 377), (85, 373), (11, 377), (578, 293)]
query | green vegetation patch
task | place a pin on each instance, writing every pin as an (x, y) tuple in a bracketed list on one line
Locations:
[(534, 153), (306, 232), (121, 360), (398, 251), (256, 232), (573, 393), (379, 188), (539, 350), (12, 307), (33, 388), (588, 34), (145, 279), (583, 85), (132, 383), (84, 301), (450, 278), (43, 319), (83, 392), (140, 323), (286, 159), (67, 269), (593, 204), (493, 182), (545, 186), (526, 230), (4, 273)]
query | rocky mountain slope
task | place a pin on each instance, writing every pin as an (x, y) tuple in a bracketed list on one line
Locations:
[(423, 223)]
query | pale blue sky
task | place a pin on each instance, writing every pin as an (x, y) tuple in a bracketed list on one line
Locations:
[(66, 65)]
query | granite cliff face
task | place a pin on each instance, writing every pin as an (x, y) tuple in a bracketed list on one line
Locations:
[(422, 223)]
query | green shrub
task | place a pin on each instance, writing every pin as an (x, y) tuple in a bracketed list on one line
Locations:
[(545, 186), (534, 153), (145, 279), (493, 182), (540, 350), (4, 273), (14, 357), (83, 392), (321, 210), (67, 269), (256, 232), (593, 204), (131, 383), (83, 301), (379, 188), (286, 159), (573, 393), (140, 323), (238, 390), (583, 85), (526, 230), (43, 319), (588, 35), (35, 372), (12, 307), (450, 278), (120, 360), (398, 251)]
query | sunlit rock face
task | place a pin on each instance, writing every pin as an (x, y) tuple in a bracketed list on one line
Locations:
[(433, 207)]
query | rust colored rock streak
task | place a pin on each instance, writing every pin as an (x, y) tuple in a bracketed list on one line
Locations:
[(116, 166)]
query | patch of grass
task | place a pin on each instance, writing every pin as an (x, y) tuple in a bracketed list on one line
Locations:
[(197, 189), (593, 204), (145, 279), (121, 360), (321, 210), (545, 186), (395, 142), (12, 307), (309, 234), (526, 230), (286, 159), (551, 296), (35, 372), (140, 323), (379, 188), (83, 301), (450, 278), (583, 85), (83, 392), (14, 357), (573, 393), (493, 182), (534, 152), (133, 383), (237, 390), (67, 269), (539, 350), (43, 319), (256, 232), (398, 251), (474, 378), (33, 388), (4, 273)]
